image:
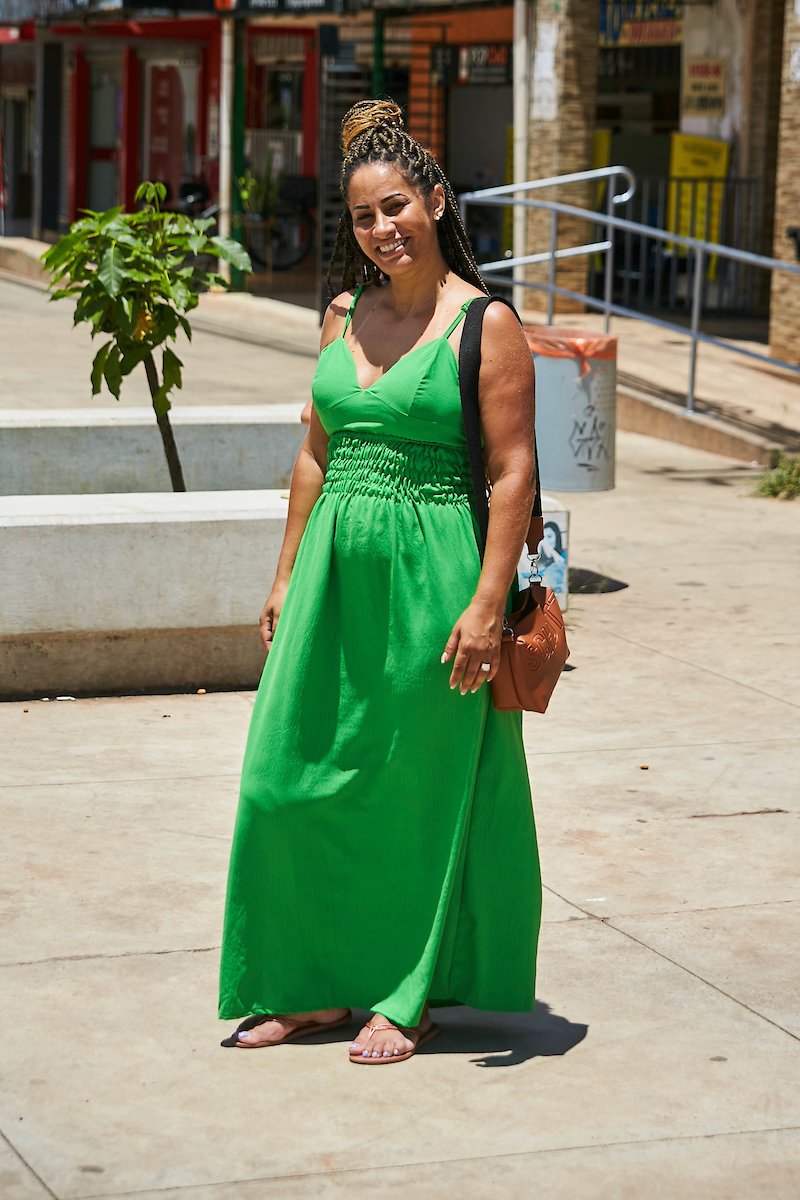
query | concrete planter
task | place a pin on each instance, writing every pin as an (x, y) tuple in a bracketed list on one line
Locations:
[(133, 588), (135, 592), (63, 452)]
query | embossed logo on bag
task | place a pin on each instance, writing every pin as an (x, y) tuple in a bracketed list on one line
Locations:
[(543, 644)]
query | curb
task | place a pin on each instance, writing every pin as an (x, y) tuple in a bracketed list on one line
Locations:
[(638, 413)]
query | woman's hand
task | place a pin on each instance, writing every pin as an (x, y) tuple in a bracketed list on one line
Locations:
[(474, 641), (268, 621)]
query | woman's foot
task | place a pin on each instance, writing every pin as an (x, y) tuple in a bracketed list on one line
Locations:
[(390, 1042), (273, 1030)]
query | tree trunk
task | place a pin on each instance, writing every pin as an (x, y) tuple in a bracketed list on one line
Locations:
[(165, 429)]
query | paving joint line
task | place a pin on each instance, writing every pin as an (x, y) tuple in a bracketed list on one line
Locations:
[(706, 670), (608, 921), (38, 962), (18, 1154), (435, 1162), (138, 779), (641, 748), (679, 912)]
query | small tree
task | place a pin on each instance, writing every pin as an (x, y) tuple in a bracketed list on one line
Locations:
[(134, 277)]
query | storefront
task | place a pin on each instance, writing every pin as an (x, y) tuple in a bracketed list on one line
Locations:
[(17, 94), (92, 105), (472, 63)]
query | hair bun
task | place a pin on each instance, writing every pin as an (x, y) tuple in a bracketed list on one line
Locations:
[(365, 115)]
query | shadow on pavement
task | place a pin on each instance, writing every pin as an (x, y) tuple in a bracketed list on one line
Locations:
[(504, 1039)]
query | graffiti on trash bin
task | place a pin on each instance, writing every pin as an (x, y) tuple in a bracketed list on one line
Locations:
[(589, 440)]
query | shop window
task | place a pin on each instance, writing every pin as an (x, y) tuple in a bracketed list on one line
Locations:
[(170, 123)]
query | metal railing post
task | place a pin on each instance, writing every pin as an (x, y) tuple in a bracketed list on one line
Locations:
[(608, 283), (697, 299), (551, 268), (666, 242)]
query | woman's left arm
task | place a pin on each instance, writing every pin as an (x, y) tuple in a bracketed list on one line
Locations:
[(506, 399)]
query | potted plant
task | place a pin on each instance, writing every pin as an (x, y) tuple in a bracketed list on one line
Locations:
[(259, 197), (134, 277)]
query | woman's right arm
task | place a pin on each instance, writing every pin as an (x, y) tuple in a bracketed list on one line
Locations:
[(308, 477)]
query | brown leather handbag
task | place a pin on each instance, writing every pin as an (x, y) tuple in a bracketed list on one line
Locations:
[(534, 648)]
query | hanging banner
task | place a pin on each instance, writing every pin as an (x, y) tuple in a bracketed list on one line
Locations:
[(640, 23)]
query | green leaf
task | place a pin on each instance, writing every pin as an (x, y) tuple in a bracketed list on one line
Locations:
[(166, 320), (62, 249), (151, 193), (63, 293), (232, 252), (113, 371), (186, 327), (90, 305), (124, 315), (196, 242), (108, 216), (110, 271), (98, 367), (132, 356), (181, 293), (172, 370), (160, 403)]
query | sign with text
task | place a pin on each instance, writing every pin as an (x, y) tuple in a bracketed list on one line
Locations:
[(479, 63), (694, 201), (640, 23), (703, 87)]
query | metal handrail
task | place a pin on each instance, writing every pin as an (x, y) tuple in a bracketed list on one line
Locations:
[(510, 194)]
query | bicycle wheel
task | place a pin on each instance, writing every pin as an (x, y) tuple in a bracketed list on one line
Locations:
[(256, 233), (292, 237)]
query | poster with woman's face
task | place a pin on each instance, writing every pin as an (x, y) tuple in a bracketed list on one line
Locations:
[(553, 557)]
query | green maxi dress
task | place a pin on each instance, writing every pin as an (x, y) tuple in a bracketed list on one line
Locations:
[(384, 852)]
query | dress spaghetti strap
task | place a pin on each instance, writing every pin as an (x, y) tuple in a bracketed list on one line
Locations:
[(462, 312), (351, 309)]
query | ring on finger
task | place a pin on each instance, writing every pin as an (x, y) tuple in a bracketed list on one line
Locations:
[(486, 666)]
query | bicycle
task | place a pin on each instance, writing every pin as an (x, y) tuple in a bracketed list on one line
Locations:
[(285, 239)]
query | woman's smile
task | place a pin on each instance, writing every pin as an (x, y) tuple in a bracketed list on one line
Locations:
[(393, 248)]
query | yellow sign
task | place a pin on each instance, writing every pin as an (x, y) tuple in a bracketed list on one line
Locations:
[(694, 206), (703, 87)]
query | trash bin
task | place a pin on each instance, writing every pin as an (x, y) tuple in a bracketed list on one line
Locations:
[(576, 390)]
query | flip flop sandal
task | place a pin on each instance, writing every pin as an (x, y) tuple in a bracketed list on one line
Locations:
[(301, 1029), (362, 1061)]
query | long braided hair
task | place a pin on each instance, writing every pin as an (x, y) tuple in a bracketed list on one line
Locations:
[(372, 131)]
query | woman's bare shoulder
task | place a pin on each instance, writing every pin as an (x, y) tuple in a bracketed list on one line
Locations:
[(335, 314), (501, 324)]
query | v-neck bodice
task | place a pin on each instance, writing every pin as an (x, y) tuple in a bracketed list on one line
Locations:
[(417, 397)]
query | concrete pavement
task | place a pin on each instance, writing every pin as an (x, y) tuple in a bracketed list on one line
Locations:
[(663, 1059)]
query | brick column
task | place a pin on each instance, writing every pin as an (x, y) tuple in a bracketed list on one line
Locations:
[(785, 299), (562, 120)]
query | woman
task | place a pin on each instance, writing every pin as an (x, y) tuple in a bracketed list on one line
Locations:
[(384, 855)]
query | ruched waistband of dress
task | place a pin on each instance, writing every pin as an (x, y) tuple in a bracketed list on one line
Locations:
[(396, 469)]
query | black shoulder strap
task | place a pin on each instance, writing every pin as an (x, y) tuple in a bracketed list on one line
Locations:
[(469, 365)]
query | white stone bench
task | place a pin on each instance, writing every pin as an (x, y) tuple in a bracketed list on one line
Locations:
[(135, 592), (226, 447)]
